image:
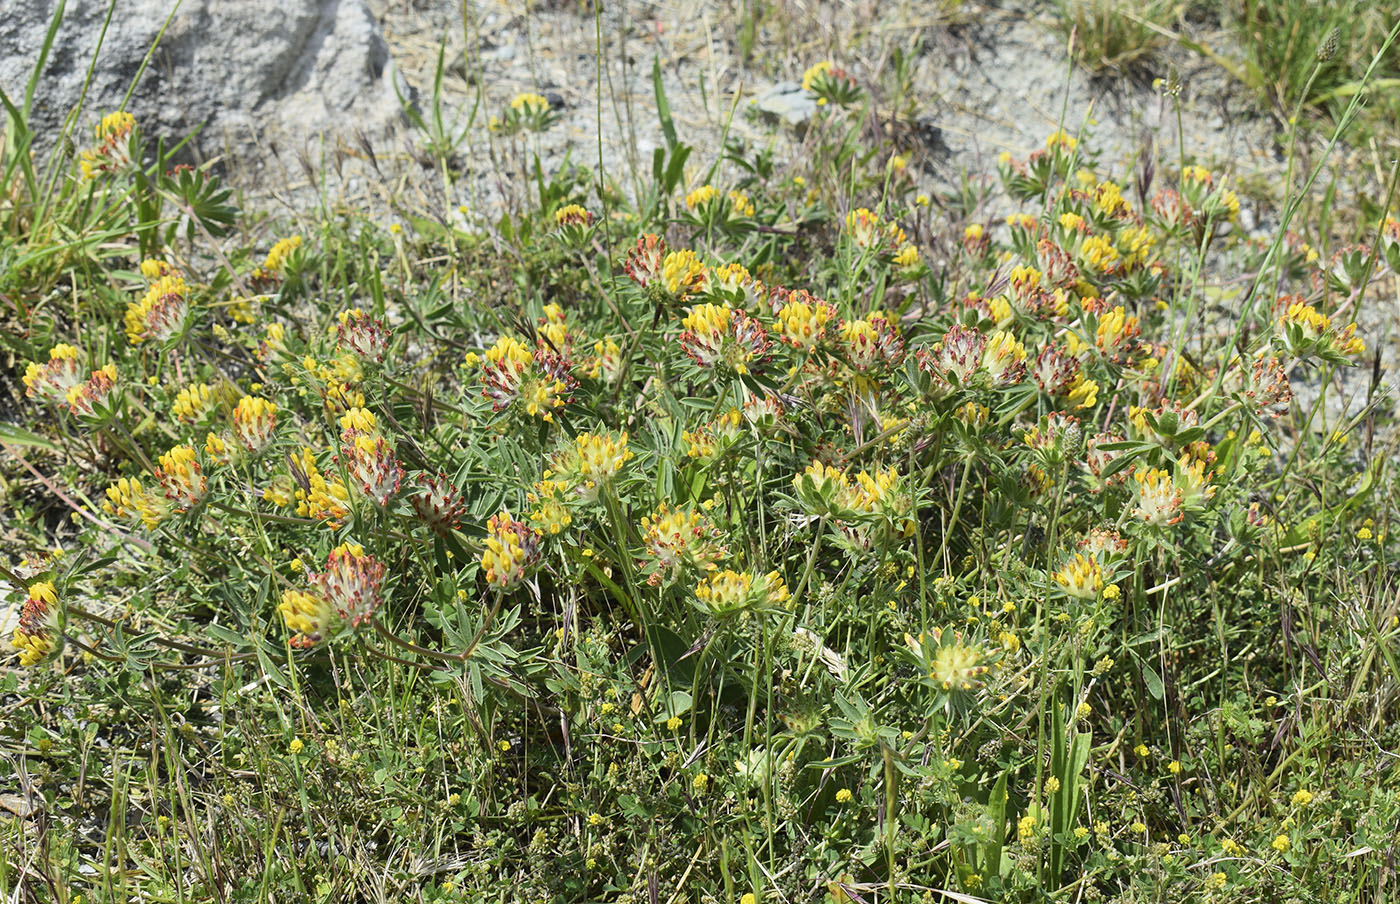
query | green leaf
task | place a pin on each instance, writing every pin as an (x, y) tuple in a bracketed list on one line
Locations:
[(1153, 681), (227, 635), (10, 435), (996, 812), (663, 109)]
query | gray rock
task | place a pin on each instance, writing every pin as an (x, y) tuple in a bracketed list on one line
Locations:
[(786, 101), (247, 71)]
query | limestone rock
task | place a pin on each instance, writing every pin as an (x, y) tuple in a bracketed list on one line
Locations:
[(786, 101), (246, 71)]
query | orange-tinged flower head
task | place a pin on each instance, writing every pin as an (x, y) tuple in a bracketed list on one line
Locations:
[(1159, 502), (643, 262), (181, 477)]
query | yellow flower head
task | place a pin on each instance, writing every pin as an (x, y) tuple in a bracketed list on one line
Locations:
[(181, 477), (802, 323), (1081, 577), (253, 422), (601, 456), (115, 126), (277, 256), (127, 498), (529, 103), (701, 197), (161, 313), (1098, 254), (1159, 501), (676, 541), (1108, 199), (39, 628), (196, 400), (683, 274), (813, 72), (511, 548), (572, 215), (728, 593), (308, 615)]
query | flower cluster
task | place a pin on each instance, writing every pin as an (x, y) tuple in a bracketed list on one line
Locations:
[(39, 629), (348, 591), (719, 336), (728, 593), (526, 112), (162, 313), (538, 381), (511, 549), (678, 541), (111, 153)]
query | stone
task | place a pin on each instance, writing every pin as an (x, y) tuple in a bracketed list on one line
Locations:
[(786, 101), (244, 73)]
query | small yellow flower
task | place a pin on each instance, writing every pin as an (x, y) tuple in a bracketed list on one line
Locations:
[(673, 723), (700, 783), (1061, 139), (277, 256), (1302, 797), (701, 196), (813, 73), (296, 746), (843, 796), (1081, 577), (1281, 844), (1174, 767)]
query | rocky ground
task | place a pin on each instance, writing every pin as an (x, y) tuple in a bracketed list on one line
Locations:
[(955, 82), (979, 78)]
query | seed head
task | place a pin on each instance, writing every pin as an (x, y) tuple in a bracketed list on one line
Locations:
[(1328, 48)]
